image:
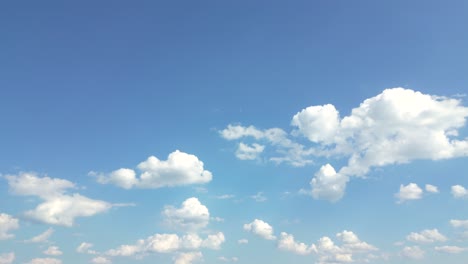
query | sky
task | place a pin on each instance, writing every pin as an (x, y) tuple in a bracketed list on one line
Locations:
[(244, 132)]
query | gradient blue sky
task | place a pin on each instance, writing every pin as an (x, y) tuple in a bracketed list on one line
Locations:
[(89, 87)]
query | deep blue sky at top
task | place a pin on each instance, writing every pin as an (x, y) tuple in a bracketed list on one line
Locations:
[(87, 79)]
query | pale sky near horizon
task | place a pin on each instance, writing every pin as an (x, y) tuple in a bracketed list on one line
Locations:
[(233, 132)]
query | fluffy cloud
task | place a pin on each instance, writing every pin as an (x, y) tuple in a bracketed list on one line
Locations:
[(328, 185), (7, 224), (7, 258), (58, 208), (45, 261), (352, 243), (396, 126), (62, 210), (414, 252), (459, 223), (431, 188), (41, 237), (246, 152), (192, 215), (101, 260), (426, 236), (179, 169), (459, 192), (409, 192), (450, 249), (260, 228), (53, 251), (286, 242), (187, 258), (168, 243), (85, 248)]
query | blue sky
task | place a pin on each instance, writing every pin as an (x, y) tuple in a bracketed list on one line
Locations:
[(233, 132)]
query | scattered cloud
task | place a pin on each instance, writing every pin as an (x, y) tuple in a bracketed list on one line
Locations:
[(179, 169), (413, 252), (327, 184), (226, 259), (57, 208), (101, 260), (7, 224), (450, 249), (45, 261), (7, 258), (85, 248), (225, 196), (192, 215), (431, 188), (459, 192), (459, 223), (188, 257), (259, 197), (249, 152), (41, 237), (287, 242), (426, 236), (243, 241), (409, 192), (260, 228), (394, 127), (53, 251)]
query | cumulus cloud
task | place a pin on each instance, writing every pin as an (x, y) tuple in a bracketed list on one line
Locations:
[(459, 192), (260, 228), (450, 249), (85, 248), (426, 236), (7, 224), (409, 192), (352, 243), (168, 243), (431, 188), (192, 215), (249, 152), (58, 207), (414, 252), (179, 169), (187, 257), (45, 261), (53, 251), (101, 260), (287, 242), (459, 223), (396, 126), (328, 185), (7, 258), (41, 237)]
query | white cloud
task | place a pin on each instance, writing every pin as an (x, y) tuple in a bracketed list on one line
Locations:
[(353, 243), (259, 197), (7, 224), (53, 251), (414, 252), (85, 248), (7, 258), (62, 210), (192, 215), (459, 192), (41, 237), (459, 223), (45, 261), (226, 259), (450, 249), (179, 169), (409, 192), (243, 241), (426, 236), (101, 260), (246, 152), (261, 228), (188, 257), (225, 196), (58, 208), (286, 151), (168, 243), (396, 126), (328, 185), (29, 184), (431, 188), (286, 242)]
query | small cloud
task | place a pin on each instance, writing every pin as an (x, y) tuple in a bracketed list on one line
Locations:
[(409, 192), (431, 188), (260, 228), (259, 197), (243, 241), (459, 192), (225, 196), (41, 237)]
